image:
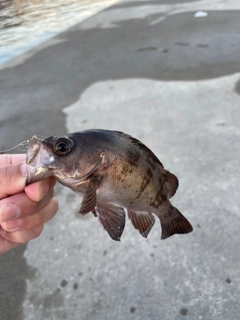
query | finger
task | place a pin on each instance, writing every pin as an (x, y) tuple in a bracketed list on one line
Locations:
[(12, 179), (34, 220), (6, 245), (20, 206), (20, 237), (11, 159), (37, 190)]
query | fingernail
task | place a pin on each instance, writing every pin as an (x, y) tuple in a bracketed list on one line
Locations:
[(42, 191), (11, 225), (46, 189), (24, 169), (9, 211)]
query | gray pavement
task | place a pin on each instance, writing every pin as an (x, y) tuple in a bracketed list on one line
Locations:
[(153, 70)]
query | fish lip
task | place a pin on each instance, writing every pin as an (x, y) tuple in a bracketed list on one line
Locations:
[(37, 174), (33, 148), (38, 160)]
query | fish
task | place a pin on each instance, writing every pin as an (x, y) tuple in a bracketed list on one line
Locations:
[(115, 174)]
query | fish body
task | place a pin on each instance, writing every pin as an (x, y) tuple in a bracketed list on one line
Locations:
[(112, 171)]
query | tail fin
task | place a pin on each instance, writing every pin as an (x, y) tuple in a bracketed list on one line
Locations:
[(174, 222)]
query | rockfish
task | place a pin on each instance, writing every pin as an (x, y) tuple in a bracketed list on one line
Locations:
[(112, 171)]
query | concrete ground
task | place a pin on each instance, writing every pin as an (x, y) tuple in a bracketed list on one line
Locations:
[(153, 70)]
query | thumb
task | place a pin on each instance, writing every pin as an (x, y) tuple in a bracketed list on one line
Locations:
[(12, 179)]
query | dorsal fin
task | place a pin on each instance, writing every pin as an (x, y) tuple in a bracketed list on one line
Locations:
[(171, 182), (89, 198), (112, 218), (142, 221)]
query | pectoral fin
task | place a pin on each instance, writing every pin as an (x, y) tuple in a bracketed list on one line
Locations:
[(171, 182), (142, 221), (112, 218), (89, 198)]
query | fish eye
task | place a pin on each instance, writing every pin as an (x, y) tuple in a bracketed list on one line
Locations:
[(62, 146)]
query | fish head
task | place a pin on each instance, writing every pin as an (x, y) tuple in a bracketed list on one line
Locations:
[(43, 156), (67, 158)]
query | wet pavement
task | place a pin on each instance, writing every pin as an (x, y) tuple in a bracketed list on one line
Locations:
[(154, 70)]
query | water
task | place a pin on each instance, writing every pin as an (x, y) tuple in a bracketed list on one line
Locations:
[(26, 23)]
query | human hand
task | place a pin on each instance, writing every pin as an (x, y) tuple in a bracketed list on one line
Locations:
[(23, 209)]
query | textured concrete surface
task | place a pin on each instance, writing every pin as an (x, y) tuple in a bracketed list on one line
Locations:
[(149, 68)]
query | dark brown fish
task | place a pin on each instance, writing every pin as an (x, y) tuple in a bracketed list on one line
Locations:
[(112, 171)]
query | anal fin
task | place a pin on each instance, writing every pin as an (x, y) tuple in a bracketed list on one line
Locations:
[(112, 218), (174, 222), (89, 198), (142, 221)]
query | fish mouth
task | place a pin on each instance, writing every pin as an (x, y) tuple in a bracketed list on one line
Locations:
[(37, 174), (38, 159), (33, 148)]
